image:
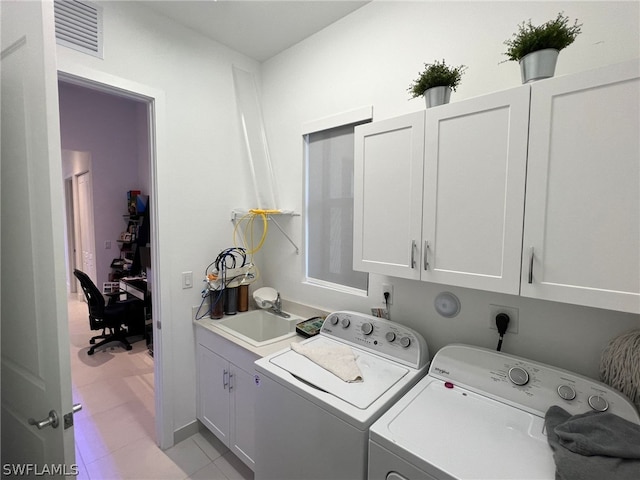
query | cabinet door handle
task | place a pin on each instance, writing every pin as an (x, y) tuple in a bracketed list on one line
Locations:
[(225, 379), (413, 254), (426, 255), (230, 384), (531, 265)]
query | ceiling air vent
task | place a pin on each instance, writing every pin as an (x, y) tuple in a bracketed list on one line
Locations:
[(79, 26)]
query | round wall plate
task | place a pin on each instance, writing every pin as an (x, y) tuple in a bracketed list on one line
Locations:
[(447, 304)]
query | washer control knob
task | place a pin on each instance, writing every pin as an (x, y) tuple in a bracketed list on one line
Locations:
[(405, 342), (367, 328), (390, 336), (566, 392), (345, 322), (598, 403), (518, 376), (334, 320)]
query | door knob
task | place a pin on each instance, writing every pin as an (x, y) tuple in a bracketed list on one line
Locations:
[(51, 420)]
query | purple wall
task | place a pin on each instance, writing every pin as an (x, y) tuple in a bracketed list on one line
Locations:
[(109, 128)]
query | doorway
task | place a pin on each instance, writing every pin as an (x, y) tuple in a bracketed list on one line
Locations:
[(109, 144), (79, 218)]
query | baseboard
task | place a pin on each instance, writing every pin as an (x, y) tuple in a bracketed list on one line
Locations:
[(185, 432)]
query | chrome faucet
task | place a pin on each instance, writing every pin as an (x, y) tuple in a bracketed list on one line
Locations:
[(276, 308)]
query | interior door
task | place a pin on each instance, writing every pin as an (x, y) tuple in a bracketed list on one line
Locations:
[(36, 376), (85, 213)]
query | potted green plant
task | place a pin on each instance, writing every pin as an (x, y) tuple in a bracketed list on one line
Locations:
[(436, 82), (536, 48)]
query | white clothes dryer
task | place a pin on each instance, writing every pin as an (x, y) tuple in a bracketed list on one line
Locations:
[(310, 424), (479, 414)]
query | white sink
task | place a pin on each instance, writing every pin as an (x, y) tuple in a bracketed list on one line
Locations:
[(259, 327)]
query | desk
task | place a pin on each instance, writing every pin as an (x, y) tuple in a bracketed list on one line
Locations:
[(137, 287)]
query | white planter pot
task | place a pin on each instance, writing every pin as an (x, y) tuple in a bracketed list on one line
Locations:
[(538, 65), (437, 96)]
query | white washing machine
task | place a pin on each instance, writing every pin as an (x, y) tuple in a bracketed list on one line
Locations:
[(310, 424), (479, 414)]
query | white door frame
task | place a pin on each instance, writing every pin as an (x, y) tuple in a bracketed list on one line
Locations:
[(74, 165), (69, 234), (155, 100)]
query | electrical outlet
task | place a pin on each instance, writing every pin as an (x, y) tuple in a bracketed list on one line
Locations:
[(513, 317), (387, 287)]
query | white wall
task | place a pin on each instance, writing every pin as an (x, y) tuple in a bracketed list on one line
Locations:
[(370, 58), (367, 58), (199, 175), (108, 128)]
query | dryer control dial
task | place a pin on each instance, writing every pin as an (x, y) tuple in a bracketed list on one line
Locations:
[(390, 336), (598, 403), (566, 392), (345, 322), (518, 376), (405, 342), (366, 328)]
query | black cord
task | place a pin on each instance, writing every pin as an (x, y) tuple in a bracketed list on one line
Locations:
[(386, 305), (199, 315), (226, 259), (502, 323)]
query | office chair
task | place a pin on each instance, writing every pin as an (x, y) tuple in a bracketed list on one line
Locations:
[(108, 316)]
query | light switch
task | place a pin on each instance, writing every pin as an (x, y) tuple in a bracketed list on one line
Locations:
[(187, 279)]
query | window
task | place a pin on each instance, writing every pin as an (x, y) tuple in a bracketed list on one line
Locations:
[(329, 202)]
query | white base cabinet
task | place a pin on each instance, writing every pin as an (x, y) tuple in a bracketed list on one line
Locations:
[(226, 394), (571, 143)]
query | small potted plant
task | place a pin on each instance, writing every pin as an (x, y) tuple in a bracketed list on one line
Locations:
[(436, 82), (536, 48)]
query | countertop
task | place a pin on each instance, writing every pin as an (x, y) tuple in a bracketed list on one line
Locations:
[(303, 311)]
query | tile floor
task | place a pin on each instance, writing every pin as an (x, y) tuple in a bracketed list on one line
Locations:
[(115, 430)]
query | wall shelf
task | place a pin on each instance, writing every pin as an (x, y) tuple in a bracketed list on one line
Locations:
[(239, 214)]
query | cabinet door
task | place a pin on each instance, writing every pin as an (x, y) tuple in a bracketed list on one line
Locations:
[(474, 181), (242, 416), (213, 395), (388, 196), (581, 237)]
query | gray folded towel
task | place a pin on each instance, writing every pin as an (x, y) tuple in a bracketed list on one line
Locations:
[(593, 445)]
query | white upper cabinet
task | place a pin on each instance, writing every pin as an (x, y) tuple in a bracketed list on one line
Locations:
[(444, 203), (581, 236), (388, 168), (440, 195), (474, 180)]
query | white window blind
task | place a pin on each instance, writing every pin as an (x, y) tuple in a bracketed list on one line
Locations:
[(329, 208)]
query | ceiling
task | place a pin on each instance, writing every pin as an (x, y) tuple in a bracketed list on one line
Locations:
[(258, 29)]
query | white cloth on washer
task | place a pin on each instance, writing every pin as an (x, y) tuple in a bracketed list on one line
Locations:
[(339, 360)]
